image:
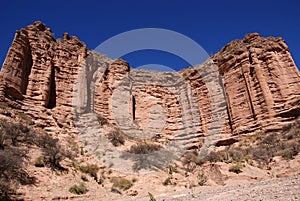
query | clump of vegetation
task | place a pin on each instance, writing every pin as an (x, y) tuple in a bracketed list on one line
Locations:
[(12, 172), (13, 158), (172, 169), (53, 152), (78, 189), (91, 170), (84, 178), (121, 183), (18, 132), (191, 159), (116, 138), (214, 157), (151, 197), (26, 119), (263, 148), (167, 181), (144, 148), (15, 139), (292, 130), (236, 168), (81, 151), (102, 121), (102, 177), (202, 179), (290, 150), (11, 134), (39, 162)]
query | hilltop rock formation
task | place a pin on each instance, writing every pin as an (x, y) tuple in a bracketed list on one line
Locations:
[(41, 71), (261, 90), (261, 81)]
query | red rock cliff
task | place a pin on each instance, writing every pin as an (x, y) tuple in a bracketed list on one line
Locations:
[(261, 84), (261, 81)]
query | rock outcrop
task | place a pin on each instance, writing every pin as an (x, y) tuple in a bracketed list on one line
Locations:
[(261, 81), (41, 71), (261, 88)]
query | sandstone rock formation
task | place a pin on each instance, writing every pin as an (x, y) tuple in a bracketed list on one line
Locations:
[(41, 71), (261, 89), (261, 82)]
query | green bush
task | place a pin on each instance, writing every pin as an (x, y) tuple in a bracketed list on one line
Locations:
[(78, 189), (202, 179), (236, 168), (121, 183), (39, 162)]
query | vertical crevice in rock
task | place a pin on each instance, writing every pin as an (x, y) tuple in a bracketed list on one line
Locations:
[(229, 112), (250, 57), (52, 90), (221, 83), (27, 70), (133, 107), (250, 100), (251, 71)]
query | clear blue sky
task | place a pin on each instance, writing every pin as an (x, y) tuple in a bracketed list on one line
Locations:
[(212, 24)]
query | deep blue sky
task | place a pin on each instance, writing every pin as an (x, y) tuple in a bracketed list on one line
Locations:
[(212, 24)]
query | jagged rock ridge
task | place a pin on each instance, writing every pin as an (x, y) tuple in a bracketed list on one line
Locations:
[(261, 86)]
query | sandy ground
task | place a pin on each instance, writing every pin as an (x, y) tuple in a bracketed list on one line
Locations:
[(274, 189)]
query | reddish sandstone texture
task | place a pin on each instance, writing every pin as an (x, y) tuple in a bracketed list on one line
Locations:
[(261, 86)]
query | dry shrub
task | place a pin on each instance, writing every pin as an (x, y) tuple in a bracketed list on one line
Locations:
[(236, 168), (167, 181), (116, 138), (78, 189), (13, 133), (53, 152), (144, 148), (290, 150), (102, 121), (192, 157), (12, 172), (202, 179), (121, 183), (91, 170)]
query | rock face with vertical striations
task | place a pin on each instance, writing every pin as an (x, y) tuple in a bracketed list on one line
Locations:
[(261, 81), (41, 71), (261, 90)]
